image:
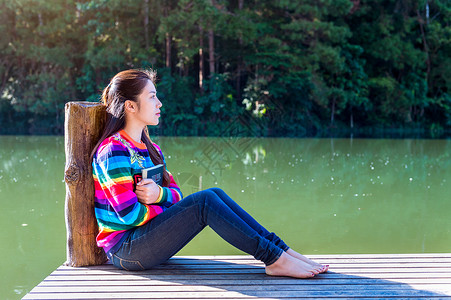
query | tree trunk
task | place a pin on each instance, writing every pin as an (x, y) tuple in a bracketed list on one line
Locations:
[(409, 115), (238, 81), (211, 51), (5, 75), (83, 126), (168, 39), (41, 24), (168, 50), (425, 44), (146, 23), (98, 77), (332, 113), (240, 60), (201, 59)]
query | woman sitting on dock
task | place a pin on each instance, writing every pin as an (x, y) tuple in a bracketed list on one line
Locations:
[(143, 224)]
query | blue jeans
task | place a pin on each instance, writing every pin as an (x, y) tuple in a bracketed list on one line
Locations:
[(158, 240)]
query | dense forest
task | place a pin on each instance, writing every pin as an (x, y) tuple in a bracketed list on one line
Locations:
[(254, 68)]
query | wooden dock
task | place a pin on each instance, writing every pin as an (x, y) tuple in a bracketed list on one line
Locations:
[(242, 277)]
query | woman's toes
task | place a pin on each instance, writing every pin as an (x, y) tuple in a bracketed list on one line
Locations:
[(325, 268), (316, 266), (316, 271)]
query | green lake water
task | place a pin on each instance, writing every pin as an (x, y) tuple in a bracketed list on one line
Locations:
[(322, 196)]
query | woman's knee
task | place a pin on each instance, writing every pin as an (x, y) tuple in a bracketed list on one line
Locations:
[(206, 201), (207, 192), (202, 197), (211, 197), (216, 190), (210, 194)]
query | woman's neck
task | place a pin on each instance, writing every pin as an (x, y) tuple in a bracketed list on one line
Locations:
[(134, 132)]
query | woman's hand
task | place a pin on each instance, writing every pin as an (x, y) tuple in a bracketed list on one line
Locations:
[(147, 191)]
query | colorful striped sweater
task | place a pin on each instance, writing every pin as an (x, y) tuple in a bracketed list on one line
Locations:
[(116, 165)]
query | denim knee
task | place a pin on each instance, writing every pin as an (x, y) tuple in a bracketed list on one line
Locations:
[(200, 200), (208, 193), (216, 189), (208, 196)]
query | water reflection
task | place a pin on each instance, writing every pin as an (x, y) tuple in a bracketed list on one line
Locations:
[(323, 196), (335, 196)]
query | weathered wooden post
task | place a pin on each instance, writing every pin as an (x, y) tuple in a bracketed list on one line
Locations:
[(84, 123)]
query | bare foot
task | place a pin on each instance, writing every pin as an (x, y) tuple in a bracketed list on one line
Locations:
[(287, 265), (322, 268)]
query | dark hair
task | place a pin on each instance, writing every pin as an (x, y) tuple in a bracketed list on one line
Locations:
[(127, 85)]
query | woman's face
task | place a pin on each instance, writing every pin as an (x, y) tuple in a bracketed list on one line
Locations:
[(149, 105)]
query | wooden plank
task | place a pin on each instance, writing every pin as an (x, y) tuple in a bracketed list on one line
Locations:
[(237, 283), (200, 288), (237, 272), (333, 267), (324, 256), (234, 294), (254, 263), (257, 271), (240, 276), (331, 274), (322, 261), (267, 282), (312, 298), (251, 260)]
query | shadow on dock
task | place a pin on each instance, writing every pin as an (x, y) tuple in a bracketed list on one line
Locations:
[(243, 278)]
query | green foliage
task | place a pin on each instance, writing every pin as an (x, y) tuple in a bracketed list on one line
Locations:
[(280, 68), (178, 101)]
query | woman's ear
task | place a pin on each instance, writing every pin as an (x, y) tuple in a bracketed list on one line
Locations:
[(130, 106)]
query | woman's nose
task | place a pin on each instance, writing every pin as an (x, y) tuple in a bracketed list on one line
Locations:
[(159, 104)]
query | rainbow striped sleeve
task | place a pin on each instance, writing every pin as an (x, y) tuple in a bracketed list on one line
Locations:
[(116, 205), (172, 194)]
